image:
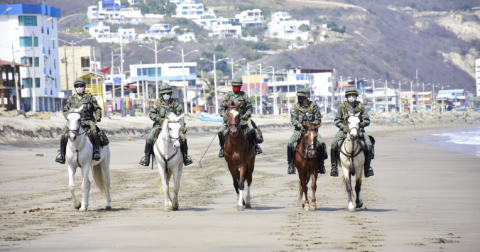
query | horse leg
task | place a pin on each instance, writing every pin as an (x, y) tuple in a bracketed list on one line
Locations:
[(250, 166), (166, 192), (85, 187), (241, 186), (358, 191), (176, 186), (71, 185), (313, 206), (105, 166), (303, 187), (348, 183)]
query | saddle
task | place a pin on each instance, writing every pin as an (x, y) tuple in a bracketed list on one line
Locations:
[(362, 144), (103, 137)]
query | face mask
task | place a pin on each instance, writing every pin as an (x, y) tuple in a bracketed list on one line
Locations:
[(236, 89), (80, 90), (301, 98), (352, 98), (166, 97)]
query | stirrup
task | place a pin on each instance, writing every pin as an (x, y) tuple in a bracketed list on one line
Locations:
[(291, 169), (187, 160), (258, 150), (145, 161), (334, 171), (60, 159), (368, 172), (220, 153), (96, 156)]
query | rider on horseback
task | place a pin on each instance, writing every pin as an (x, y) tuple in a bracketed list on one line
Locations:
[(353, 106), (158, 112), (306, 112), (236, 97), (90, 108)]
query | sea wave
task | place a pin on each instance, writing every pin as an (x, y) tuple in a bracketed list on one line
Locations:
[(465, 138)]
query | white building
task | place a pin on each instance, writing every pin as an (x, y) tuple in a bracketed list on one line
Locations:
[(171, 73), (30, 33), (105, 10), (190, 9), (282, 26), (102, 33), (477, 75), (220, 27), (250, 18)]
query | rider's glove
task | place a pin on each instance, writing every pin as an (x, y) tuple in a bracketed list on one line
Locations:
[(245, 117), (345, 129), (184, 129), (225, 117), (300, 125)]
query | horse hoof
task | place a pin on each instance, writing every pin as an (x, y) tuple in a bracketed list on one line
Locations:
[(240, 208), (77, 206), (351, 208), (175, 207), (360, 205), (248, 205), (313, 208), (108, 208), (82, 209)]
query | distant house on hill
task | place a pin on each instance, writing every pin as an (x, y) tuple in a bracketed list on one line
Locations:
[(408, 9), (283, 26)]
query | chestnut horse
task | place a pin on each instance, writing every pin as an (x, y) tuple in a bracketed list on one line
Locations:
[(306, 163), (239, 154)]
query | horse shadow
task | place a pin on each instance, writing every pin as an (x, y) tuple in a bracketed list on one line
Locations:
[(265, 208), (194, 209), (110, 210), (334, 209)]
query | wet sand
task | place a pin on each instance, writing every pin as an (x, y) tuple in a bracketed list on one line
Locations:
[(422, 198)]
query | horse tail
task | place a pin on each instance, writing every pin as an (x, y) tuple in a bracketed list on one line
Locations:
[(159, 181), (100, 178)]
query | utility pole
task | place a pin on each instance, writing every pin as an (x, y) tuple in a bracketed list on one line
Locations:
[(14, 81), (34, 95), (66, 69)]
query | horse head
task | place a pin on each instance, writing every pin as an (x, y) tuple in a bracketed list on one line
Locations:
[(310, 140), (233, 120), (172, 128), (73, 122), (353, 125)]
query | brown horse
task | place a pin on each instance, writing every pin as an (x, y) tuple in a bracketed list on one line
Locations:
[(239, 154), (306, 163)]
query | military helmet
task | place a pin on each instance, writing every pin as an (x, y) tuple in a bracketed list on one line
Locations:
[(79, 81), (350, 91), (165, 89), (305, 92), (237, 82)]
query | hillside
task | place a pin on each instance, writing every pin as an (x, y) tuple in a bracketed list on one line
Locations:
[(439, 38)]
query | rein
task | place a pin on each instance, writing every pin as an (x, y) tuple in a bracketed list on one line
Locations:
[(354, 152), (160, 152), (304, 157), (76, 132)]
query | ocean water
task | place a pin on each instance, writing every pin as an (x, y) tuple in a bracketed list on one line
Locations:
[(465, 141)]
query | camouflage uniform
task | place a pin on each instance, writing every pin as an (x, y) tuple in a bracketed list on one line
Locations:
[(303, 115), (340, 122), (158, 112), (245, 114), (90, 108)]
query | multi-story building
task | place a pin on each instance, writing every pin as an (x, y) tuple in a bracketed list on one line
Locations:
[(30, 30), (102, 33), (477, 75), (220, 27), (171, 73), (283, 26), (77, 61), (105, 10), (190, 9), (250, 18)]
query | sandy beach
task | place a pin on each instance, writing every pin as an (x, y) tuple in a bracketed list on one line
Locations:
[(422, 197)]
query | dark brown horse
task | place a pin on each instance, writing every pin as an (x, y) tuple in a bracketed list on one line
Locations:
[(306, 163), (239, 154)]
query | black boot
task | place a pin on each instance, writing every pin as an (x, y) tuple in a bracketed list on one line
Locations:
[(333, 158), (145, 161), (96, 148), (187, 160), (222, 145), (258, 150), (291, 167), (320, 160), (63, 149), (368, 171)]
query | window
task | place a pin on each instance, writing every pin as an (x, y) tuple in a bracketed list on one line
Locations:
[(192, 70), (159, 71), (27, 21), (48, 30), (54, 64), (151, 71), (26, 82), (27, 41), (28, 61), (85, 61), (53, 43)]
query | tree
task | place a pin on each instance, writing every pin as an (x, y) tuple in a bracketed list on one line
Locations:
[(171, 9), (303, 28)]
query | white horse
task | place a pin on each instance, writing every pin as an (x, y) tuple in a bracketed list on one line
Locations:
[(351, 160), (169, 159), (79, 154)]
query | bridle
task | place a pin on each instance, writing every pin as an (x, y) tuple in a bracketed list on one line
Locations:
[(314, 145), (76, 131), (167, 141), (354, 152), (233, 124)]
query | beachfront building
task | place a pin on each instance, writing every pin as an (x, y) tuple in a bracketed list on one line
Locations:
[(74, 62), (171, 73), (220, 27), (103, 34), (283, 26), (455, 97), (30, 37), (278, 90), (250, 18)]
